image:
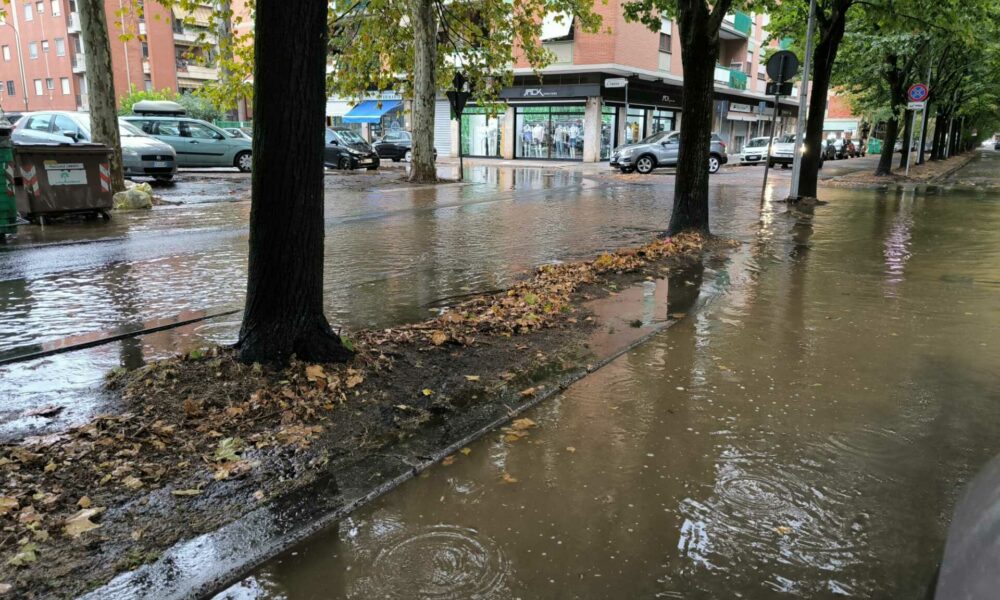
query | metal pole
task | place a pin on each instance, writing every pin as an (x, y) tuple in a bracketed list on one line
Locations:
[(923, 120), (800, 123), (770, 140), (461, 165), (20, 55), (909, 144), (627, 128)]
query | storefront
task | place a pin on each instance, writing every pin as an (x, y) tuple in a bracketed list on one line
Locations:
[(549, 120)]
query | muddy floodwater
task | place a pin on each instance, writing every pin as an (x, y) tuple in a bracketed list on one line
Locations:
[(803, 431)]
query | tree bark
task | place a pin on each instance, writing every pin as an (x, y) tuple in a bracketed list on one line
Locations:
[(891, 132), (284, 307), (923, 136), (699, 53), (904, 156), (424, 21), (101, 84), (831, 34), (937, 150)]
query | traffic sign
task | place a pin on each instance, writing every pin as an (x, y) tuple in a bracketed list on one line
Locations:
[(615, 82), (782, 65), (916, 105), (774, 88), (917, 92)]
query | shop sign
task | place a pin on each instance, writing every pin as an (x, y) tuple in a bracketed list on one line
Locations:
[(543, 92), (740, 107)]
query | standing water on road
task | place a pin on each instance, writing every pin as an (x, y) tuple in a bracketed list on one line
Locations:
[(804, 431)]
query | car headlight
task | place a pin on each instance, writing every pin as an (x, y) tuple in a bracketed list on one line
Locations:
[(129, 152), (354, 151), (627, 152)]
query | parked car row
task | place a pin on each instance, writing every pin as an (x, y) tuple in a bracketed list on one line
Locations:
[(662, 150)]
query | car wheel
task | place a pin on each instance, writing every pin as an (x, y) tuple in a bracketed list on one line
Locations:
[(408, 157), (770, 164), (627, 170), (243, 162), (713, 164), (396, 159), (645, 164), (344, 163)]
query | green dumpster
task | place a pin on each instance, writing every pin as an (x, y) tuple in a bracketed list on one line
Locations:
[(874, 146), (8, 207)]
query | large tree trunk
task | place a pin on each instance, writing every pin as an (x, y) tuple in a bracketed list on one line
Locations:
[(904, 156), (699, 53), (888, 145), (937, 151), (284, 306), (923, 135), (101, 84), (424, 88), (822, 66)]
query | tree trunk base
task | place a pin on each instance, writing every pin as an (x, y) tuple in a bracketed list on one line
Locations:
[(315, 343)]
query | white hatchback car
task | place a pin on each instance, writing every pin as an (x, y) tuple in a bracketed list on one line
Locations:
[(754, 151)]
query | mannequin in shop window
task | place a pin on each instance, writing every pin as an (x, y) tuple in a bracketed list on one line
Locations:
[(574, 135), (538, 138), (561, 137)]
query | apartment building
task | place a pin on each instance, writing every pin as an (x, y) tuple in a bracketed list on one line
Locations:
[(569, 113), (43, 63)]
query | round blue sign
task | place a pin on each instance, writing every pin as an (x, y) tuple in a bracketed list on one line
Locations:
[(917, 92)]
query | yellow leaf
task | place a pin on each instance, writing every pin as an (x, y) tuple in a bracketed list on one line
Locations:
[(79, 522), (508, 478), (354, 378), (472, 377), (258, 495), (7, 504), (522, 424), (185, 492), (84, 502), (570, 449), (25, 554), (314, 372), (427, 391), (438, 338), (510, 437), (448, 460), (466, 451), (528, 392), (783, 530), (132, 483)]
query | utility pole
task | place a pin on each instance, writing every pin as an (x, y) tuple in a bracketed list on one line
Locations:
[(800, 123), (20, 53), (923, 121)]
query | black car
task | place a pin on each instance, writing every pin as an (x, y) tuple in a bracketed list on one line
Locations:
[(397, 146), (345, 149)]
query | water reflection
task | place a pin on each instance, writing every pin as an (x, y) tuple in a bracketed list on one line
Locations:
[(800, 432)]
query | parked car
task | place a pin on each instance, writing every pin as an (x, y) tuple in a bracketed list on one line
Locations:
[(198, 143), (783, 151), (12, 117), (142, 155), (662, 150), (238, 132), (345, 149), (397, 146), (754, 151), (996, 146)]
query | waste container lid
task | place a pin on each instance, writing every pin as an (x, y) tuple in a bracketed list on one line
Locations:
[(61, 149)]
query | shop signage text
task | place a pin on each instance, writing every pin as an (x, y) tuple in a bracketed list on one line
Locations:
[(740, 107), (540, 92)]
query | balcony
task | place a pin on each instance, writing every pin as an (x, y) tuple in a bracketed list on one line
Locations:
[(145, 67), (731, 77), (73, 23), (736, 26), (190, 38), (192, 75), (79, 63)]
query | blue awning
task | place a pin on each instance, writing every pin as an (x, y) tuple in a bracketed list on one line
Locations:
[(369, 111)]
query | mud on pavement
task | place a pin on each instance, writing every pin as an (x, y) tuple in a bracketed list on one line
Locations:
[(203, 440)]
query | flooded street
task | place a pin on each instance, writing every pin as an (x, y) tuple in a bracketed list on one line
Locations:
[(803, 431)]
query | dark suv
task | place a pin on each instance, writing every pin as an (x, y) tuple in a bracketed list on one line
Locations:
[(345, 149)]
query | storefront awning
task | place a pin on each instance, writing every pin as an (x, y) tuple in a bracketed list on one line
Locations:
[(741, 116), (557, 26), (370, 111)]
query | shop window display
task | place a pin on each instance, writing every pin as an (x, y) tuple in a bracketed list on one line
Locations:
[(551, 131), (482, 135)]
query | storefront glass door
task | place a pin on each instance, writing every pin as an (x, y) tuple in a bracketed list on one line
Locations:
[(482, 135), (608, 127)]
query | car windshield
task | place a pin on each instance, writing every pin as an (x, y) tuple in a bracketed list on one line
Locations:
[(757, 142), (127, 129), (787, 139), (349, 137), (656, 137)]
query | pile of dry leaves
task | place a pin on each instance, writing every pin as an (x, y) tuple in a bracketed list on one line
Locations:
[(203, 418)]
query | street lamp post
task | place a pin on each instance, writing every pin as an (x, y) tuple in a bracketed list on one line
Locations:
[(20, 56)]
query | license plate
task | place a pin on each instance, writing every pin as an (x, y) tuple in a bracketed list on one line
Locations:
[(753, 157), (160, 163)]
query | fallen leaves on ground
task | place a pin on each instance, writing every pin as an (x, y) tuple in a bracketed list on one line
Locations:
[(448, 460), (80, 523), (508, 478)]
